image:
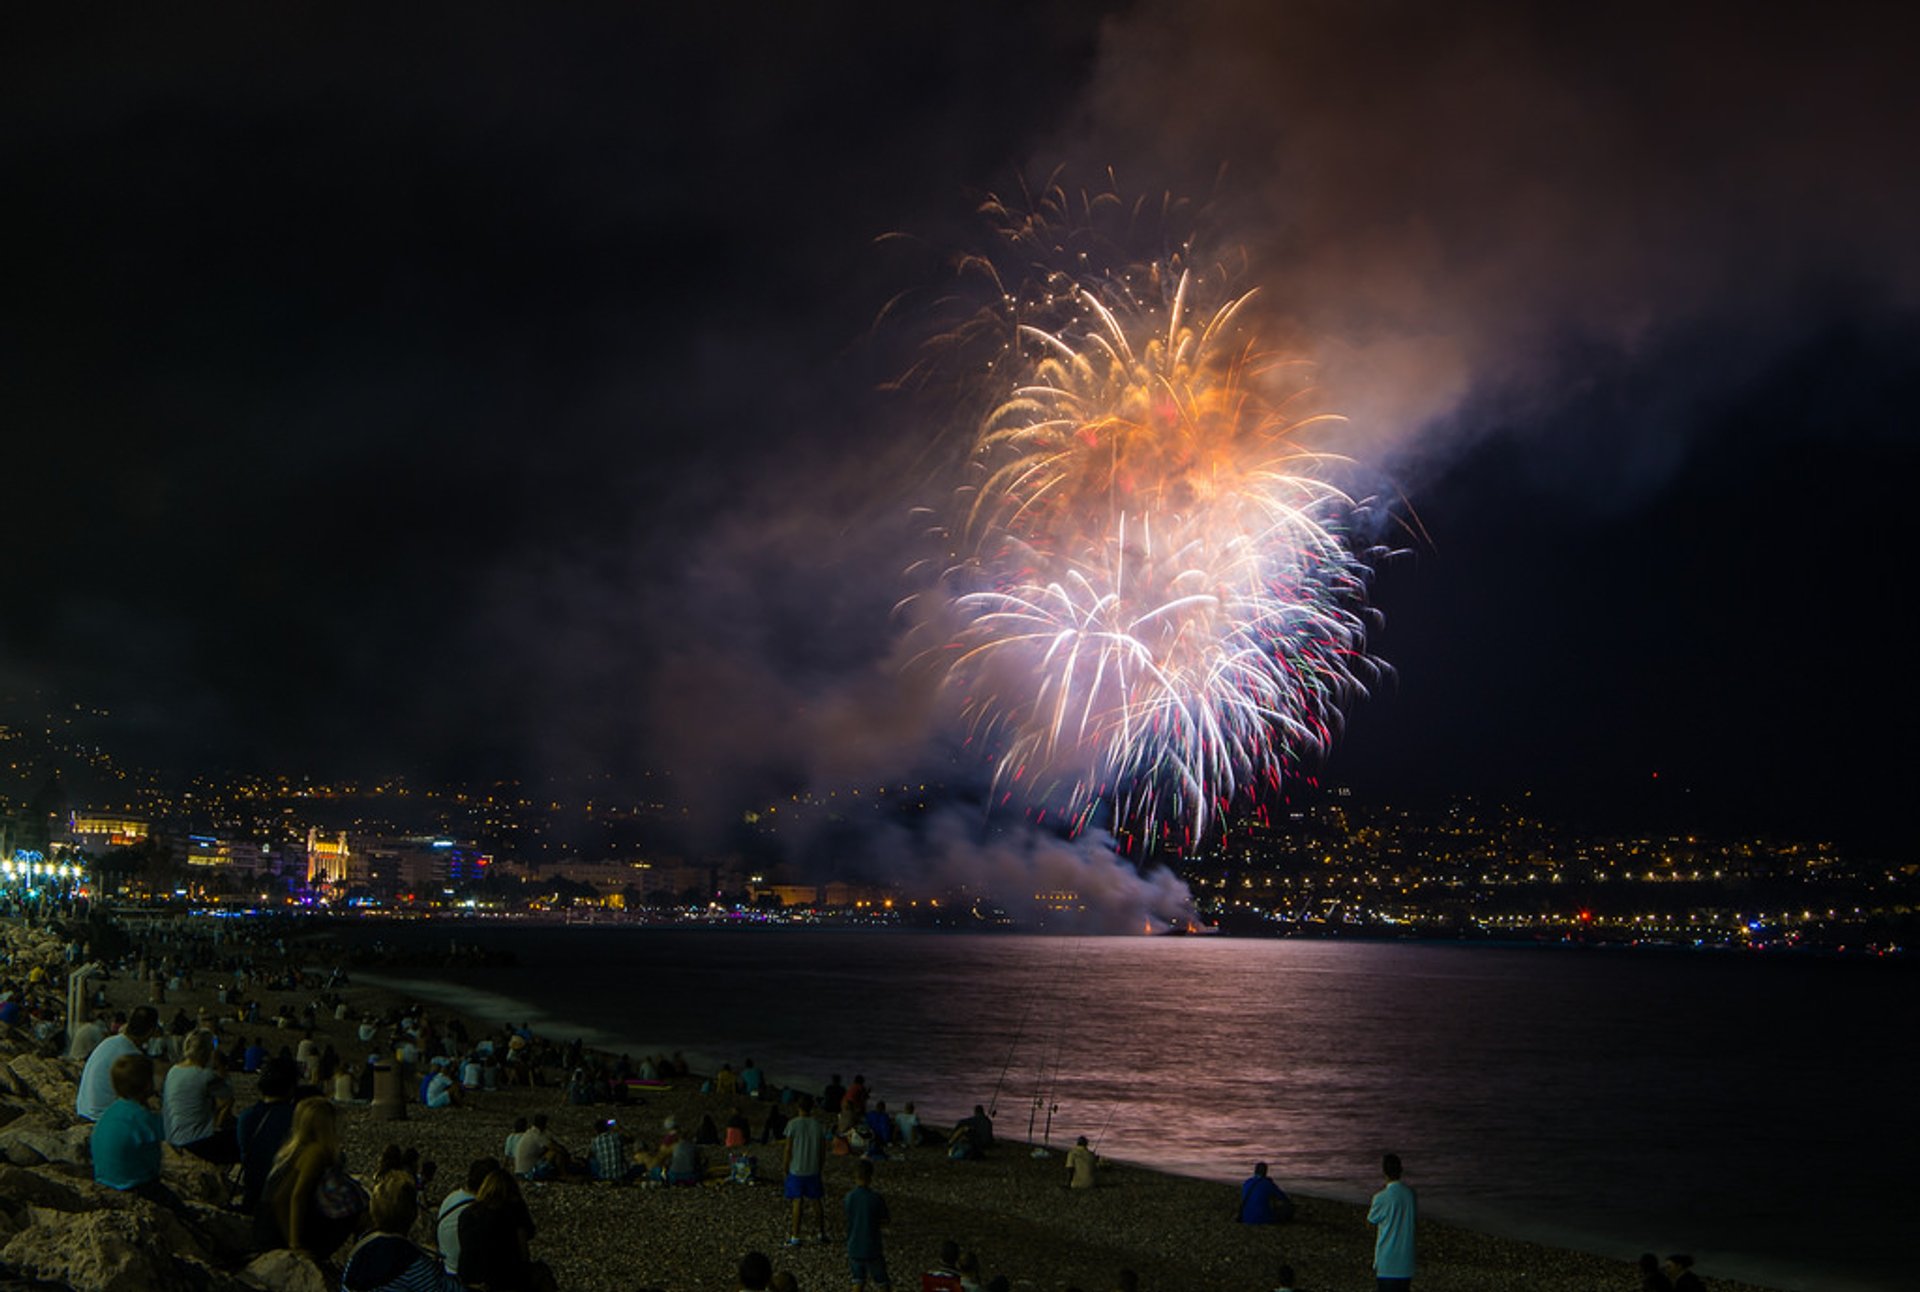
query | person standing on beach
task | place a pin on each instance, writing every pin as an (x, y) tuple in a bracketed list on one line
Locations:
[(866, 1216), (804, 1152), (1392, 1213)]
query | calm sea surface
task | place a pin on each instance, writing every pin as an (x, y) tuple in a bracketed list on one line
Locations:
[(1759, 1113)]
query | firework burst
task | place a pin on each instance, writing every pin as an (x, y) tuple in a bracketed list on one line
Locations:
[(1154, 602)]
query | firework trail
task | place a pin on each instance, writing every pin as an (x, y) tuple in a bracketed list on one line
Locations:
[(1154, 605)]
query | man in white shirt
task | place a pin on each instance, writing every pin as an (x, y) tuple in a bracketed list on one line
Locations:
[(95, 1094), (447, 1230)]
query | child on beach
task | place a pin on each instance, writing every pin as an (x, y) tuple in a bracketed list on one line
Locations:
[(866, 1213)]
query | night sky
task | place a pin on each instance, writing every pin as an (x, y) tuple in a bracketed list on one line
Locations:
[(453, 392)]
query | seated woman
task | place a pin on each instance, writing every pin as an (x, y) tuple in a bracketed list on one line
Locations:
[(310, 1203), (386, 1260), (687, 1164), (496, 1231), (197, 1104)]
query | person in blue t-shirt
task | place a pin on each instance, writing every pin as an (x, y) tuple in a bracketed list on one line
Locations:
[(127, 1137), (1393, 1211), (866, 1215), (1262, 1202)]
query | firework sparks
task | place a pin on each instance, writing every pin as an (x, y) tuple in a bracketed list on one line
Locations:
[(1155, 603)]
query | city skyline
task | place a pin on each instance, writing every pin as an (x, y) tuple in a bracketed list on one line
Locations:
[(508, 398)]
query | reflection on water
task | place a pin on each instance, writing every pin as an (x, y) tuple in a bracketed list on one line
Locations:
[(1741, 1109)]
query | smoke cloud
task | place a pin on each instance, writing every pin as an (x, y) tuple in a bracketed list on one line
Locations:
[(1461, 208), (1080, 885)]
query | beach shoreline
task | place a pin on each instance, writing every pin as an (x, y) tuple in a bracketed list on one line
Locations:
[(1012, 1208)]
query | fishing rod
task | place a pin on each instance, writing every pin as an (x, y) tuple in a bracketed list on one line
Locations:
[(1112, 1108), (993, 1104)]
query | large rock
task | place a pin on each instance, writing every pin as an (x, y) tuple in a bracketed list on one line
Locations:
[(192, 1178), (54, 1082), (135, 1249), (35, 1137), (285, 1271), (23, 1188)]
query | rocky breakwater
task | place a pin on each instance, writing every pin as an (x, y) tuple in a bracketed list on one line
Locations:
[(60, 1229)]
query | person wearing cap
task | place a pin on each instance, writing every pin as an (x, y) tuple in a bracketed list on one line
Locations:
[(442, 1091)]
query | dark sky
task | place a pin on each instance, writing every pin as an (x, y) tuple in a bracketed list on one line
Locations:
[(445, 390)]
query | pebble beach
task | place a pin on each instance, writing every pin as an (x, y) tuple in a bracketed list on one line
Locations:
[(1012, 1209)]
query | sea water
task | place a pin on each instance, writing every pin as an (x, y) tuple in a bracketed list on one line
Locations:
[(1756, 1112)]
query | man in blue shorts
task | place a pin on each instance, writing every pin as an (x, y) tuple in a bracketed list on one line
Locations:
[(804, 1151), (866, 1213)]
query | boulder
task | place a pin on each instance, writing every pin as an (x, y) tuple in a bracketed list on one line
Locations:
[(132, 1249), (46, 1189), (54, 1082), (191, 1178), (35, 1137), (285, 1271)]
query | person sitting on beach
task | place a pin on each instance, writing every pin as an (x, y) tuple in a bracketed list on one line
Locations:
[(879, 1130), (386, 1260), (726, 1082), (1262, 1202), (126, 1139), (857, 1095), (496, 1236), (446, 1230), (513, 1139), (580, 1089), (254, 1057), (1080, 1164), (197, 1104), (538, 1156), (755, 1273), (945, 1276), (442, 1090), (971, 1137), (752, 1080), (609, 1154), (980, 1129), (1652, 1277), (906, 1125), (94, 1094), (309, 1202), (85, 1037), (263, 1128), (687, 1165), (739, 1130), (804, 1155), (1679, 1272)]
